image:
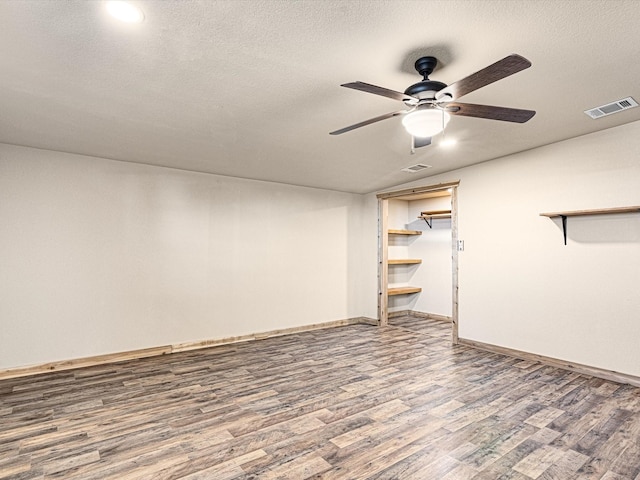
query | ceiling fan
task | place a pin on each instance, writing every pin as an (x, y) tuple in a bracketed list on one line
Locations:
[(431, 102)]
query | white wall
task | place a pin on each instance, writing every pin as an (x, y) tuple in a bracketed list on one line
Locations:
[(433, 275), (100, 256), (434, 248), (520, 287)]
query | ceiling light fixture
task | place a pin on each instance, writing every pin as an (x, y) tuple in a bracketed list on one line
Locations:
[(125, 11), (425, 122), (447, 142)]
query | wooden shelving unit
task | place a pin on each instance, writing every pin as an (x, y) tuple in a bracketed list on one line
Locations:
[(580, 213), (404, 261), (405, 232), (403, 290), (429, 215)]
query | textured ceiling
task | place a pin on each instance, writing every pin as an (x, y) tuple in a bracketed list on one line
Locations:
[(251, 89)]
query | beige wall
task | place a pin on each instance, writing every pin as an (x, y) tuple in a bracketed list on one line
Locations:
[(99, 256), (520, 287)]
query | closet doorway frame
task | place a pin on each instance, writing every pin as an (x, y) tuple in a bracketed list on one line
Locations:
[(383, 248)]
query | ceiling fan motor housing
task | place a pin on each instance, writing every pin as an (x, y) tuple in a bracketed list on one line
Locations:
[(426, 89)]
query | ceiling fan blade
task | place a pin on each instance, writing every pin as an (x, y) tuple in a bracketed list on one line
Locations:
[(367, 122), (489, 111), (385, 92), (497, 71), (421, 141)]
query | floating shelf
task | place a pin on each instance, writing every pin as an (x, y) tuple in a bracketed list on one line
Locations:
[(429, 215), (405, 232), (580, 213), (597, 211), (404, 261)]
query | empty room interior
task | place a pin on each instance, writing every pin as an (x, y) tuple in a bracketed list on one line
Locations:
[(340, 239)]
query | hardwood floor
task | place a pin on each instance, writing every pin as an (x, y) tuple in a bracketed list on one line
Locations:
[(353, 402)]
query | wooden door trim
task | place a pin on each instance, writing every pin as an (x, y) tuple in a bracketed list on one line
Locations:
[(383, 264), (417, 190)]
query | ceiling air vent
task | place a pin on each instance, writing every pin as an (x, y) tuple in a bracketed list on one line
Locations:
[(611, 108), (418, 167)]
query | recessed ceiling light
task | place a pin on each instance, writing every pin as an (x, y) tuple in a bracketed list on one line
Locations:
[(125, 11), (448, 142)]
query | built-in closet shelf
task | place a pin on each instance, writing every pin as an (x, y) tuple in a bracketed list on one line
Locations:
[(405, 232), (403, 290), (404, 261), (429, 215), (580, 213)]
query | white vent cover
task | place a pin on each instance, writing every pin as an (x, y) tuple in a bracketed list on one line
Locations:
[(416, 168), (611, 108)]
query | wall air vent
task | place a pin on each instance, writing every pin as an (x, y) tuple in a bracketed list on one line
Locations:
[(418, 167), (611, 108)]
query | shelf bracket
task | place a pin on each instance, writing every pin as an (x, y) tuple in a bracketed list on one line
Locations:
[(427, 221), (564, 227)]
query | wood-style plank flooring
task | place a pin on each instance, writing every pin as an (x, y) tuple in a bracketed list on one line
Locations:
[(354, 402)]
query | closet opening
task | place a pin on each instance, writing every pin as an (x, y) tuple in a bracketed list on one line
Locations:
[(418, 255)]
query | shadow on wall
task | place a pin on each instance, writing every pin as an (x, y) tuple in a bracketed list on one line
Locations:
[(621, 228), (436, 224)]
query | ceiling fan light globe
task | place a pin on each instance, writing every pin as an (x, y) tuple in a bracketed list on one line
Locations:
[(425, 123)]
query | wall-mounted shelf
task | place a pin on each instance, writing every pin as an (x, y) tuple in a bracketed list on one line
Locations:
[(429, 215), (404, 261), (405, 232), (580, 213), (403, 290)]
